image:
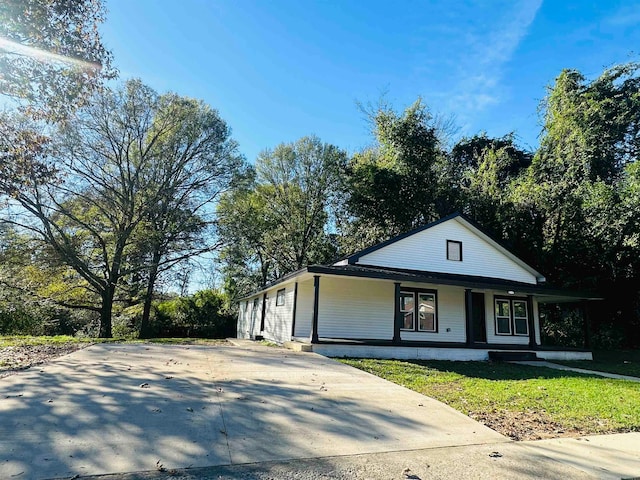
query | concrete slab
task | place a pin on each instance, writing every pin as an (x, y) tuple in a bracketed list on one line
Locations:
[(122, 408), (495, 461), (602, 456)]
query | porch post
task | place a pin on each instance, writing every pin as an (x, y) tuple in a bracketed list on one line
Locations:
[(264, 311), (468, 310), (293, 315), (314, 320), (586, 326), (532, 323), (397, 316)]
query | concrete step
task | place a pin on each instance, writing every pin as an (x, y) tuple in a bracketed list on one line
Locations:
[(511, 356), (298, 346)]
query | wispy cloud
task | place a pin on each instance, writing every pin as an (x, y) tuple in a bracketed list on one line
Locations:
[(481, 67), (626, 16)]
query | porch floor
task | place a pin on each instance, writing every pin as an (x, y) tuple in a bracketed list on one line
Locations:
[(407, 350)]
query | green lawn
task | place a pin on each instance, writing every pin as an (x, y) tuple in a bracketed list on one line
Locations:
[(520, 401), (625, 362), (15, 340)]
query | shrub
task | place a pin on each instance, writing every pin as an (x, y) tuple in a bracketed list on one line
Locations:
[(200, 315)]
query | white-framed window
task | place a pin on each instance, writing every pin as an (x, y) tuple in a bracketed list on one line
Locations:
[(280, 297), (419, 310), (512, 316), (454, 250)]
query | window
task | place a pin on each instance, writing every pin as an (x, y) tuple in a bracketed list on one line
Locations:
[(280, 297), (512, 316), (503, 317), (407, 308), (454, 250), (520, 317), (418, 310), (426, 312)]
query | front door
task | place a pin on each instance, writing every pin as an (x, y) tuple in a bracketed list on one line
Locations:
[(478, 317)]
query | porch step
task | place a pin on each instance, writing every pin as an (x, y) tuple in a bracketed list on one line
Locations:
[(298, 346), (512, 356)]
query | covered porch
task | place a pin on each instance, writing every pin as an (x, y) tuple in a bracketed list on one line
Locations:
[(363, 311)]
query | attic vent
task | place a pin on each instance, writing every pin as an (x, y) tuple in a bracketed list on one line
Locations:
[(454, 250)]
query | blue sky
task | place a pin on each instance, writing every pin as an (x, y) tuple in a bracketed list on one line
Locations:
[(279, 70)]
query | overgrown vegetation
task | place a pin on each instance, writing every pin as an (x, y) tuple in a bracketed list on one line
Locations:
[(520, 401)]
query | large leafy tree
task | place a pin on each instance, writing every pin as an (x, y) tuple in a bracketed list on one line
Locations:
[(127, 187), (281, 221), (51, 55), (395, 185), (580, 187)]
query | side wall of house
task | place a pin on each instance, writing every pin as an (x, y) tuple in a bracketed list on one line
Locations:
[(427, 250), (249, 317), (279, 318)]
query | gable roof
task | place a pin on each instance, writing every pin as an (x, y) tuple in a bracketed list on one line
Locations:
[(463, 220)]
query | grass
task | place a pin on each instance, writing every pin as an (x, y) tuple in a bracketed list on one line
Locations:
[(568, 401), (623, 362), (17, 340)]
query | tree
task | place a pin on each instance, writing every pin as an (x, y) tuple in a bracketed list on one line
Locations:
[(281, 221), (196, 162), (394, 186), (51, 56), (115, 184), (299, 183), (579, 186)]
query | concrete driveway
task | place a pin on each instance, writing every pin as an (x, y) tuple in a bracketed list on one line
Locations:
[(122, 408)]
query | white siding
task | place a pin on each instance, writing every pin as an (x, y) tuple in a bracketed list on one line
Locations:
[(249, 317), (451, 316), (242, 329), (304, 309), (279, 318), (355, 308), (427, 250)]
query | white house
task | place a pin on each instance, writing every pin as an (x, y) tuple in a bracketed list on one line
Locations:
[(446, 290)]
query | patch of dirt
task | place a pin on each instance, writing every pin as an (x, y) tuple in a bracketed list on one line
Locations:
[(527, 425), (21, 357)]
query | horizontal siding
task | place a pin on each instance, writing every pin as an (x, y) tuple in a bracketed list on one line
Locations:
[(278, 319), (451, 316), (249, 318), (304, 309), (242, 330), (354, 308), (427, 250)]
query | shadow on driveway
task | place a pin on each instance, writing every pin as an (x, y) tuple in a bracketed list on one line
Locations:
[(122, 408)]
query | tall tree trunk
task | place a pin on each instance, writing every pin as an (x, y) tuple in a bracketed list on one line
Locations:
[(106, 311), (145, 323)]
